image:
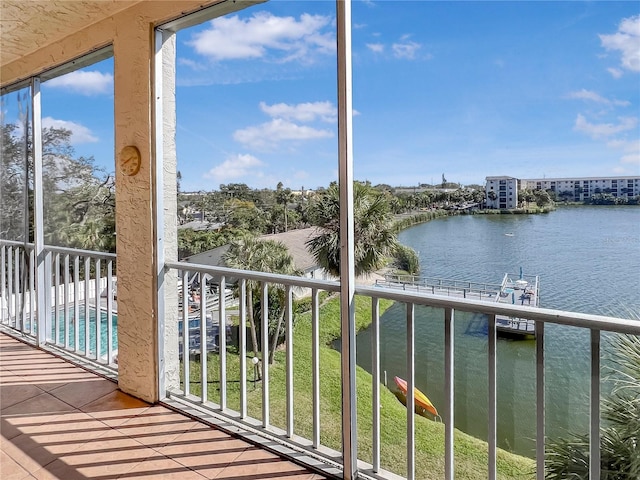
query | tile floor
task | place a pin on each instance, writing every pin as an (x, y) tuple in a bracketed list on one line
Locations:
[(60, 421)]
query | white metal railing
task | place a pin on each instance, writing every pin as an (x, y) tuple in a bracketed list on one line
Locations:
[(79, 280), (80, 298), (289, 433)]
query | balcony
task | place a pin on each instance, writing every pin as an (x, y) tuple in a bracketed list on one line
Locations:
[(283, 406), (127, 317), (62, 421)]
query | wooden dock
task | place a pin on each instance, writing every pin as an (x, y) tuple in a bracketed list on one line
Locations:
[(517, 289)]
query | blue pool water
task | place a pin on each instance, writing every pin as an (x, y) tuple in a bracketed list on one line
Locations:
[(82, 314)]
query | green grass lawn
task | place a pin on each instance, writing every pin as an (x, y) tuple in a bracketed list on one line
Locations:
[(471, 455)]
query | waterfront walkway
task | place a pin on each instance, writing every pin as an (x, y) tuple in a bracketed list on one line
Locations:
[(522, 291)]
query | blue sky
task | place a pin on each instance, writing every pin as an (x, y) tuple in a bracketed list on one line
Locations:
[(464, 89)]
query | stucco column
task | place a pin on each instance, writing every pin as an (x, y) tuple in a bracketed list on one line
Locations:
[(137, 332), (170, 365)]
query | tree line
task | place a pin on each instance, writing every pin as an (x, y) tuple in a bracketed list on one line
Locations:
[(79, 197)]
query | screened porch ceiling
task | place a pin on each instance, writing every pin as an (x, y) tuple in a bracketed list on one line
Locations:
[(27, 26)]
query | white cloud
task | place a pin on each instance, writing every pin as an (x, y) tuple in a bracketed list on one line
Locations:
[(630, 151), (632, 158), (595, 130), (406, 49), (79, 133), (84, 83), (192, 64), (595, 97), (264, 35), (627, 41), (376, 47), (269, 135), (615, 72), (302, 112), (235, 166)]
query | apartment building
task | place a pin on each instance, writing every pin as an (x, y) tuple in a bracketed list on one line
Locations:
[(582, 188), (575, 189), (501, 192)]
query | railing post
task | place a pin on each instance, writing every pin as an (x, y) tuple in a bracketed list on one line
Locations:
[(204, 370), (540, 429), (38, 214), (492, 400), (315, 366), (449, 383), (375, 372), (242, 344), (411, 414), (186, 350), (264, 340), (4, 300), (289, 361), (222, 342), (347, 272), (594, 408)]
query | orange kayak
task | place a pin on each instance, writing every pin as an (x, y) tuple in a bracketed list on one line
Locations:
[(421, 399)]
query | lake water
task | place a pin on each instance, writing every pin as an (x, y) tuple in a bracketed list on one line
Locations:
[(588, 259)]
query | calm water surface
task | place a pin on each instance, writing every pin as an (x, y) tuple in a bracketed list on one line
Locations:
[(588, 259)]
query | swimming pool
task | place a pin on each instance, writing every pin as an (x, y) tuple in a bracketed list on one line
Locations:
[(59, 331)]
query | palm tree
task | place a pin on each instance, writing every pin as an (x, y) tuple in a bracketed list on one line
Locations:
[(284, 196), (374, 238), (250, 253)]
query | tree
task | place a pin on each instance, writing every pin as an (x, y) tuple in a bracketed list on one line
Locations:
[(79, 198), (407, 259), (284, 197), (250, 253), (374, 239), (492, 195), (244, 215), (15, 184), (542, 198)]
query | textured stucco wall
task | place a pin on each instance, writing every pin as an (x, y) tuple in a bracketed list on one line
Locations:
[(131, 33), (170, 205), (137, 369)]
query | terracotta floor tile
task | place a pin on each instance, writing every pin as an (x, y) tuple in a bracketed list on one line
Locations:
[(10, 469), (10, 394), (39, 404), (59, 421), (258, 463), (156, 426), (115, 408), (67, 432), (205, 439), (58, 470), (107, 457), (83, 392), (8, 430), (207, 451), (28, 454), (164, 468)]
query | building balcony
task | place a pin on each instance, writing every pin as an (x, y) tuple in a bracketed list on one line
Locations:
[(172, 341), (287, 406), (60, 420)]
